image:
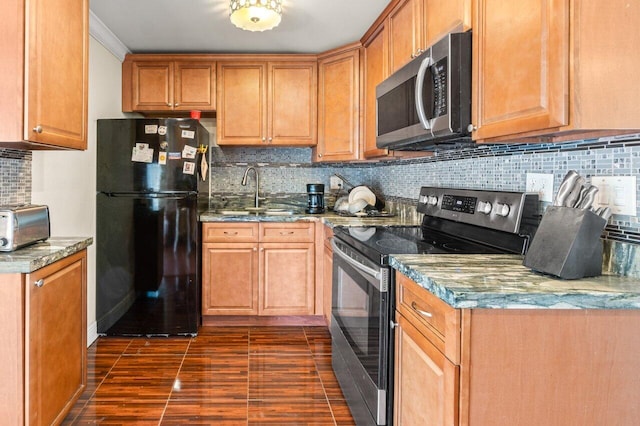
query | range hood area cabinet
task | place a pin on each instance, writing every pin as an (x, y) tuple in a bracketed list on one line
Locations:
[(267, 102), (44, 70), (159, 83), (558, 70), (401, 32)]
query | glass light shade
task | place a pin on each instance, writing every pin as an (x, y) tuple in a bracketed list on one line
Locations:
[(255, 15)]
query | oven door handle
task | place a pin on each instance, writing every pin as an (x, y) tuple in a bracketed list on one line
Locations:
[(364, 268)]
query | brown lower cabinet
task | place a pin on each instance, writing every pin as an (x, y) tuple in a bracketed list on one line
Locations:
[(513, 366), (44, 342), (261, 269)]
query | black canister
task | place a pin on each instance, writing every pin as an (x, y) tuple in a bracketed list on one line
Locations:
[(315, 198)]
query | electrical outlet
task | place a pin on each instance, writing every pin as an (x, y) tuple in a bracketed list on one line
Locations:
[(541, 184), (616, 192), (335, 182)]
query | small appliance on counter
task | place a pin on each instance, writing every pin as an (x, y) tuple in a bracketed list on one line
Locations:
[(568, 244), (315, 195), (21, 225)]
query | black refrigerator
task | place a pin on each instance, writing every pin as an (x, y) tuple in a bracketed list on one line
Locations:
[(147, 251)]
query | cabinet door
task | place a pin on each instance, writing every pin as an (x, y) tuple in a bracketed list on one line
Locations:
[(56, 344), (152, 85), (520, 66), (339, 106), (242, 103), (444, 16), (57, 72), (405, 33), (292, 104), (287, 279), (229, 279), (375, 70), (195, 86), (426, 382)]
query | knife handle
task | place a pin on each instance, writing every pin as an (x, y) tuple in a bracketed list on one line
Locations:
[(570, 200), (565, 188), (588, 199)]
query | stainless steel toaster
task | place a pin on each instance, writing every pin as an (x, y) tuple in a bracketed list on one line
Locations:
[(22, 225)]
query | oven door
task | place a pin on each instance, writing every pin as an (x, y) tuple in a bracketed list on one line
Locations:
[(361, 333)]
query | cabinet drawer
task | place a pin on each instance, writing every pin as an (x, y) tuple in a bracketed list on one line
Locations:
[(433, 317), (287, 232), (229, 232)]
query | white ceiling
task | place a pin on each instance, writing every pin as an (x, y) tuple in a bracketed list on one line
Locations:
[(203, 26)]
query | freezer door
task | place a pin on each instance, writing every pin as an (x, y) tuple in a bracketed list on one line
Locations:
[(147, 265), (148, 155)]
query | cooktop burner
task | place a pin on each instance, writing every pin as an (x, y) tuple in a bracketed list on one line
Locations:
[(380, 242)]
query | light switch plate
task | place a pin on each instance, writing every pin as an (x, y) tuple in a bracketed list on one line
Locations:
[(616, 192), (542, 184)]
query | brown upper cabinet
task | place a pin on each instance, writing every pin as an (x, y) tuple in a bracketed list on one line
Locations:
[(376, 69), (339, 104), (44, 74), (168, 83), (557, 70), (267, 102)]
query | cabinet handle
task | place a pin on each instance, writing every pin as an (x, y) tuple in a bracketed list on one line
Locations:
[(39, 283), (176, 104), (168, 104), (420, 311), (393, 324), (270, 140), (471, 128), (230, 232), (319, 155), (264, 139), (38, 129), (286, 232)]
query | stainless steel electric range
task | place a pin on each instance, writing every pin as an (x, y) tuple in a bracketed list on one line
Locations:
[(363, 307)]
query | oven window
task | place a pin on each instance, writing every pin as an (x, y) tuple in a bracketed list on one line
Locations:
[(357, 306)]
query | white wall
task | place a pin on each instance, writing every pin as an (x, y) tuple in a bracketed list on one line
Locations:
[(66, 181)]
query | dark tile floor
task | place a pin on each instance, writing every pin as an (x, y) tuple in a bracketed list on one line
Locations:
[(224, 376)]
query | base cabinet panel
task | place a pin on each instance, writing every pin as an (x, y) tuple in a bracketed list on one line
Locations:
[(230, 272), (43, 342), (269, 271)]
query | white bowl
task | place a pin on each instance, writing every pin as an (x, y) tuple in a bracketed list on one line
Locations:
[(362, 193), (357, 205)]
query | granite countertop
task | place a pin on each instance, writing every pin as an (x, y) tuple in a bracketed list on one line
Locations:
[(501, 281), (39, 255), (329, 218)]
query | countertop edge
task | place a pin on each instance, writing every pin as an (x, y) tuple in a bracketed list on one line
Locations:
[(537, 291), (36, 256)]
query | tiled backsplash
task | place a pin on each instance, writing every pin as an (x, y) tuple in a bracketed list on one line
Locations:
[(497, 167), (500, 167), (15, 175)]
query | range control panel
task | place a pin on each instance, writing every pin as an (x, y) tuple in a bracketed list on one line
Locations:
[(500, 210)]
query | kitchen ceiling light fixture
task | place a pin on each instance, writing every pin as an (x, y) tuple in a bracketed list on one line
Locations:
[(255, 15)]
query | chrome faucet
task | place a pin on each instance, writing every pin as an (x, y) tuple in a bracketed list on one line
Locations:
[(244, 182)]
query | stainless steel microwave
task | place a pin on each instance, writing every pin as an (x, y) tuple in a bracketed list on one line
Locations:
[(426, 104)]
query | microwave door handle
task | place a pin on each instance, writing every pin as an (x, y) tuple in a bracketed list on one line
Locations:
[(364, 268), (426, 63)]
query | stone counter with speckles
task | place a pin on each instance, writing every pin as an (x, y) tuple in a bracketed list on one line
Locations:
[(330, 219), (502, 282), (39, 255)]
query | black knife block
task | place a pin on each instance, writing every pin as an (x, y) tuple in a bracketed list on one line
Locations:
[(567, 244)]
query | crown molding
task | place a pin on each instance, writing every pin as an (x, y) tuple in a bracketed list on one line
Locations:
[(99, 31)]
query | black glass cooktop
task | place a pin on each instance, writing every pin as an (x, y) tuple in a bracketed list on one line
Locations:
[(380, 242)]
